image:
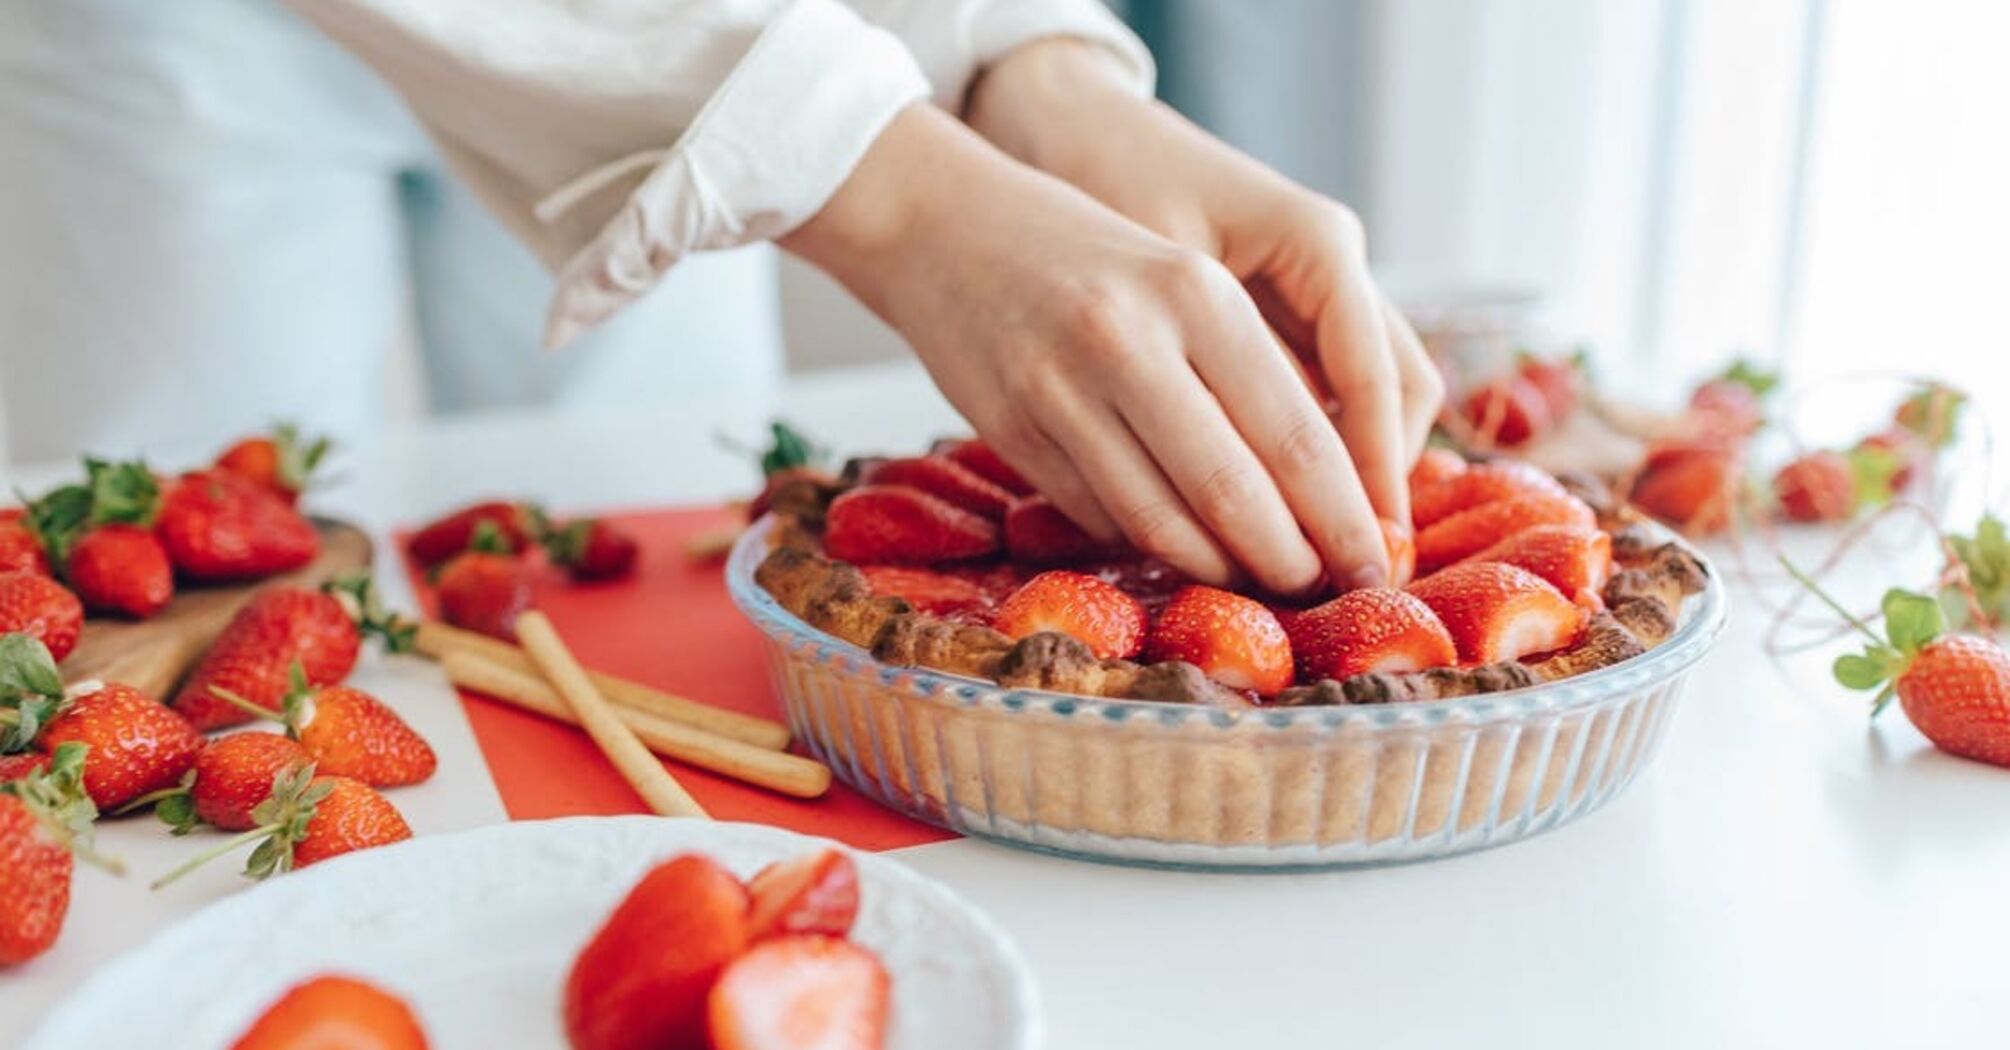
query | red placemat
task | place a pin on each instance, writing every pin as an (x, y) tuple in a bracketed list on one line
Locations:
[(674, 627)]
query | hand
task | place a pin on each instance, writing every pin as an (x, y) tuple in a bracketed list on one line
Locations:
[(1128, 377), (1061, 106)]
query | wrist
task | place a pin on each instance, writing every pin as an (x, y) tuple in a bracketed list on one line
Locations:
[(1043, 102)]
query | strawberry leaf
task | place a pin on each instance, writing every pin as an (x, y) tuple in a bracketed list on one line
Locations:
[(178, 813), (1934, 413), (27, 670), (790, 449), (125, 493), (1986, 556), (1912, 620), (1752, 377), (1866, 670), (1872, 469)]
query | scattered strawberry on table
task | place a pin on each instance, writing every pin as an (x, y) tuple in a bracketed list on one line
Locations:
[(232, 775), (20, 549), (135, 745), (99, 536), (694, 959), (307, 819), (322, 629), (346, 732), (216, 525), (46, 822), (34, 604), (334, 1012), (483, 591), (1526, 403), (282, 462)]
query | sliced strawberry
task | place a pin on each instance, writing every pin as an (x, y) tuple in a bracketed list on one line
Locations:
[(1816, 487), (1436, 465), (1470, 531), (1507, 412), (1037, 533), (1097, 614), (1575, 559), (800, 993), (1235, 640), (979, 459), (1374, 629), (944, 479), (813, 893), (1497, 612), (935, 593), (1688, 485), (642, 981), (884, 524), (1484, 483)]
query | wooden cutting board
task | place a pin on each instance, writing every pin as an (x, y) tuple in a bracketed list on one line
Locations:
[(152, 654)]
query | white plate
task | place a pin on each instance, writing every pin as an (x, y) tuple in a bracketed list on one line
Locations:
[(477, 930)]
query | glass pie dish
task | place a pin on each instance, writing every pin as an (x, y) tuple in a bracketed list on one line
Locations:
[(1188, 785)]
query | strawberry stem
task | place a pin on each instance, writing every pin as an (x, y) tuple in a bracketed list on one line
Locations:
[(238, 701), (214, 852), (149, 799), (1815, 589)]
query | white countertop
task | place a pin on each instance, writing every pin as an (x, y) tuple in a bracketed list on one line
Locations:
[(1780, 875)]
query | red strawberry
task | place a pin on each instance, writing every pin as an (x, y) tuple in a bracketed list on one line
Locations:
[(137, 745), (121, 569), (35, 604), (1483, 483), (1954, 687), (1816, 487), (1375, 629), (1097, 614), (1497, 612), (1435, 466), (1235, 640), (233, 774), (1561, 380), (1401, 543), (944, 479), (814, 893), (45, 823), (1690, 486), (641, 982), (1932, 414), (330, 1012), (979, 459), (881, 524), (282, 462), (1732, 406), (322, 629), (795, 993), (1507, 412), (305, 820), (483, 592), (1575, 559), (592, 549), (349, 733), (445, 537), (217, 525), (1470, 531), (931, 592), (14, 767), (1037, 533), (20, 549)]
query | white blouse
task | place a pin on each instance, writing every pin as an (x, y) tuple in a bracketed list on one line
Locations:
[(614, 136)]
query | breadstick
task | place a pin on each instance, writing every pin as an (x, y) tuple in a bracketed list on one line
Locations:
[(437, 639), (774, 770), (641, 769)]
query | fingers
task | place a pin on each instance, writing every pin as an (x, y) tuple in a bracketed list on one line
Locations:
[(1274, 410), (1360, 369), (1028, 450), (1423, 388)]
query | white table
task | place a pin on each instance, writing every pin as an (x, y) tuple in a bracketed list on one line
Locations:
[(1781, 875)]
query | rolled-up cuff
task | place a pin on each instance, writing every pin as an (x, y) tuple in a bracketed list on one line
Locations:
[(763, 156), (955, 41)]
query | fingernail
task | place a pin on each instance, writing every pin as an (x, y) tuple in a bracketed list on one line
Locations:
[(1368, 576)]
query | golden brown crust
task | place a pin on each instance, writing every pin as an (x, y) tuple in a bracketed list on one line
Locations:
[(1643, 599)]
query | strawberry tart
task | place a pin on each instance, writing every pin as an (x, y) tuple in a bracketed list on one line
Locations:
[(953, 645)]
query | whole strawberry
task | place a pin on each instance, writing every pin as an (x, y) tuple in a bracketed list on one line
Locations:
[(232, 775), (1954, 687), (308, 819), (349, 733), (137, 745), (591, 549), (443, 538), (20, 549), (1733, 405), (1832, 486), (99, 537), (34, 604), (483, 592), (1691, 486), (282, 462), (1510, 411), (45, 823), (121, 569), (321, 629), (217, 525)]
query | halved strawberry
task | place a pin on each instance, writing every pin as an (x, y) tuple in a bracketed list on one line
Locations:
[(1436, 465), (978, 458), (1688, 485), (1496, 611), (1507, 412), (1037, 533), (643, 979), (1470, 531), (1375, 629), (944, 479), (935, 593), (1483, 483), (1097, 614), (875, 524), (800, 993), (1235, 640), (813, 893), (1575, 559)]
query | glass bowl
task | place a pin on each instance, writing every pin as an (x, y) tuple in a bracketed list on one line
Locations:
[(1183, 785)]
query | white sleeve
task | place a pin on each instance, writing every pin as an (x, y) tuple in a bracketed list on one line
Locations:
[(615, 136)]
